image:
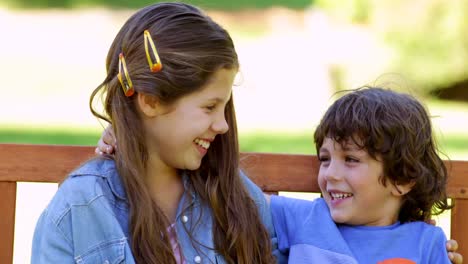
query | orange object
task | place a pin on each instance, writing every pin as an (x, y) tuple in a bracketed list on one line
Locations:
[(124, 79), (396, 261), (157, 65)]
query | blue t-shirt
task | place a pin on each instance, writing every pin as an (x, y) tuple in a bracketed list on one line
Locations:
[(307, 232)]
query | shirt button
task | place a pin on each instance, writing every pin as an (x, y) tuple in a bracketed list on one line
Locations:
[(197, 259), (184, 219)]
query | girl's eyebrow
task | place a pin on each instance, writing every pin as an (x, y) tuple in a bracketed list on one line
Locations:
[(219, 99), (216, 99)]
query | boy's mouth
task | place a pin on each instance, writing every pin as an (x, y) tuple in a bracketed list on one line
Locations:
[(339, 195), (202, 143)]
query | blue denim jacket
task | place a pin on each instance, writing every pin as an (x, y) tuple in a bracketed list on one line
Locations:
[(87, 221)]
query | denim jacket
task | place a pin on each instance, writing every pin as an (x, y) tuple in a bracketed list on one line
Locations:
[(88, 218)]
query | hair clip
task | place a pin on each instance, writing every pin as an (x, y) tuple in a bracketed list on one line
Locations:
[(126, 83), (157, 66)]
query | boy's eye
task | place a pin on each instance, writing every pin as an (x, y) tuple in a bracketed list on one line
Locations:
[(323, 159), (351, 159)]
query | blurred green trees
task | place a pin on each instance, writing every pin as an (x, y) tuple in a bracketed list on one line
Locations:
[(207, 4), (429, 37)]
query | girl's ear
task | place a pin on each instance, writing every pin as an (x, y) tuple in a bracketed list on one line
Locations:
[(148, 104), (402, 189)]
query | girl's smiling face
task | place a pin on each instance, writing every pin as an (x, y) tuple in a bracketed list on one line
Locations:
[(350, 181), (180, 134)]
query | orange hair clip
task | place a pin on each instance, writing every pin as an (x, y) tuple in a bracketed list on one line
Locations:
[(156, 66), (126, 83)]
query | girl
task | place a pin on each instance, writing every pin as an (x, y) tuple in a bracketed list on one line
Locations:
[(173, 193)]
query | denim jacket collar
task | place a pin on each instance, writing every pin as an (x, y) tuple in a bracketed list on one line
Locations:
[(107, 170)]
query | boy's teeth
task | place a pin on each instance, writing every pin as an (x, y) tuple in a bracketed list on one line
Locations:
[(202, 143), (340, 195)]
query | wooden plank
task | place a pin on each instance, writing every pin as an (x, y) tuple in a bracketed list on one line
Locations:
[(7, 220), (458, 179), (272, 172), (297, 173), (459, 227), (40, 163), (281, 172)]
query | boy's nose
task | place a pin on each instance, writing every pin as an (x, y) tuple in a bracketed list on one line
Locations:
[(333, 172)]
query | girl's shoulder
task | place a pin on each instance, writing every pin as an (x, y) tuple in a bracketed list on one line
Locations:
[(92, 180), (87, 219)]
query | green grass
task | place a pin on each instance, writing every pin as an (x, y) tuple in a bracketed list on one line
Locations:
[(301, 142), (278, 142), (59, 136)]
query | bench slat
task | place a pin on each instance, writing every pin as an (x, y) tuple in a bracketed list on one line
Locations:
[(272, 172), (40, 163), (7, 220)]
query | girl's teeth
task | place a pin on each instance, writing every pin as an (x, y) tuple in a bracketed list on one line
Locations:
[(203, 143)]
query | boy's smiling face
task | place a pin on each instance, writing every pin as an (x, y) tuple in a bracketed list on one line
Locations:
[(349, 179)]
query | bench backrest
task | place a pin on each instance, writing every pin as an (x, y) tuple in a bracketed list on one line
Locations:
[(272, 172)]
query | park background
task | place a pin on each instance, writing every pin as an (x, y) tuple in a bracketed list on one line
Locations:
[(294, 55)]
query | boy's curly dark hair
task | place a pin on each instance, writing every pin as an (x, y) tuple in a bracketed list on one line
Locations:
[(396, 129)]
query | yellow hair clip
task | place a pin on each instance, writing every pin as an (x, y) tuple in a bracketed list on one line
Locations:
[(126, 83), (157, 66)]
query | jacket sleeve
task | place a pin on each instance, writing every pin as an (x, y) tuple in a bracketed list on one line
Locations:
[(265, 215), (50, 245)]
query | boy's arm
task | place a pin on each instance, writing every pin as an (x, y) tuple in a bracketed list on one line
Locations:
[(436, 247), (263, 205), (451, 246)]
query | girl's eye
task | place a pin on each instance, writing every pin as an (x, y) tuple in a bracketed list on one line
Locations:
[(210, 107)]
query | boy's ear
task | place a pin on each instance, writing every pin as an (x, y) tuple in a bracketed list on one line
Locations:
[(148, 104), (402, 189)]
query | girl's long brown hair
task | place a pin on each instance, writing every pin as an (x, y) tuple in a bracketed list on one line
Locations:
[(191, 47)]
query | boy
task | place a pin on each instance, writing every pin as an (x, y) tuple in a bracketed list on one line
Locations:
[(380, 176)]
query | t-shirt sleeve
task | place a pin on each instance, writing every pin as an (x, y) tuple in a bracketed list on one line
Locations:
[(278, 206), (265, 215), (302, 224), (289, 215), (438, 252)]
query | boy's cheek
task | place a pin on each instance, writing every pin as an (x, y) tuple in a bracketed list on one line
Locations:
[(322, 184)]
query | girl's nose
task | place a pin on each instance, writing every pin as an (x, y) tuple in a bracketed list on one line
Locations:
[(220, 126)]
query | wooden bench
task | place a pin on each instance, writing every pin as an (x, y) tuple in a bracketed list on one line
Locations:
[(272, 172)]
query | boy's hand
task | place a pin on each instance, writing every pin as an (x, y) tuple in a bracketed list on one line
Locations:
[(107, 143)]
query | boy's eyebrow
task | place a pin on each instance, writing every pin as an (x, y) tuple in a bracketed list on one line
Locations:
[(323, 149), (350, 147)]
